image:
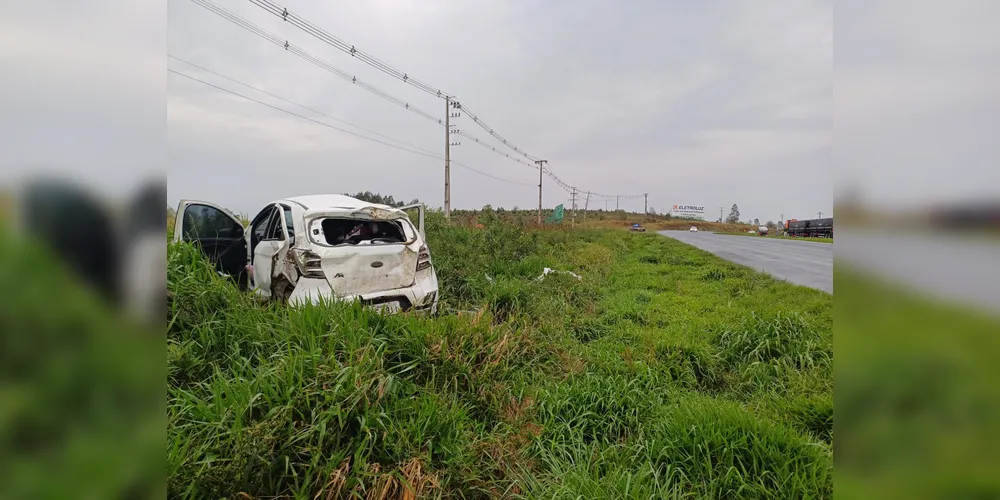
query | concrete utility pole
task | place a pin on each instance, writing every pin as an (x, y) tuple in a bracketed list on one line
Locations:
[(447, 158), (720, 213), (586, 205), (645, 202), (540, 164), (820, 214), (573, 205), (617, 202)]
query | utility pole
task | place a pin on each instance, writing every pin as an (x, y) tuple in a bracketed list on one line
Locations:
[(540, 164), (820, 214), (617, 202), (573, 205), (720, 213), (447, 158), (645, 202), (586, 205)]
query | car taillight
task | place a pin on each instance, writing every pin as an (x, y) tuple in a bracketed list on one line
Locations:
[(423, 258), (309, 264)]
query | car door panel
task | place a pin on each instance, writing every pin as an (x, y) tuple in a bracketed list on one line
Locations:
[(421, 210), (270, 255), (217, 233), (263, 257)]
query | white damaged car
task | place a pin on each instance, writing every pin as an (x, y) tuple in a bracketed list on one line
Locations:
[(300, 249)]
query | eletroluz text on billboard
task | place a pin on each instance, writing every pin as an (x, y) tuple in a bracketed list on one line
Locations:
[(688, 208)]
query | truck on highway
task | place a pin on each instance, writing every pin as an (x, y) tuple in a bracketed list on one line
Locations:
[(812, 228)]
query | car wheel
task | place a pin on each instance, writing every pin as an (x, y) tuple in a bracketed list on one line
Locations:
[(282, 291)]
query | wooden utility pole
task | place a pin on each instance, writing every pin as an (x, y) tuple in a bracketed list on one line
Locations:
[(447, 158), (540, 164)]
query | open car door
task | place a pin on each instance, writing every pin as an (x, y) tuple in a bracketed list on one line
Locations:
[(421, 208), (217, 233), (274, 273)]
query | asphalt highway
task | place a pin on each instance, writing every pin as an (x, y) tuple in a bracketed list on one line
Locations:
[(948, 267), (803, 263)]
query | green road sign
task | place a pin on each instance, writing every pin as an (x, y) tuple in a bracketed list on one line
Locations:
[(556, 217)]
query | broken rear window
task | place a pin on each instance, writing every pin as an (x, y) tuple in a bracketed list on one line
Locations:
[(334, 231)]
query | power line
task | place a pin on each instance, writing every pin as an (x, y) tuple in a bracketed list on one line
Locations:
[(350, 49), (414, 151), (476, 141), (329, 39), (493, 133), (385, 68), (285, 44), (220, 75), (274, 39)]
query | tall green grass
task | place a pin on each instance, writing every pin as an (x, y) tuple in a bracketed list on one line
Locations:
[(663, 373)]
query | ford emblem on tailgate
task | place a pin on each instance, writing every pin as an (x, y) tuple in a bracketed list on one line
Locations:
[(376, 264)]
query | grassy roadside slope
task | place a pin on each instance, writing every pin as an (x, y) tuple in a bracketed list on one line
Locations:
[(663, 372), (917, 397)]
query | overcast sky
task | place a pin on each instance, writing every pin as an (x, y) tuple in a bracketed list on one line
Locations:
[(710, 102), (704, 103)]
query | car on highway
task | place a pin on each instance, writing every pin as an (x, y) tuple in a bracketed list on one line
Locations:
[(694, 229), (306, 248), (637, 227)]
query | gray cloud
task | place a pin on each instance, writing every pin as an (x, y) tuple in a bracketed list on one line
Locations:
[(695, 103), (918, 100), (83, 91)]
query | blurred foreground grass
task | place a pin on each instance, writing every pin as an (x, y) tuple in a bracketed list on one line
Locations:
[(918, 412), (81, 389)]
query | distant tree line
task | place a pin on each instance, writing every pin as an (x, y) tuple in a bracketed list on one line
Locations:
[(381, 199)]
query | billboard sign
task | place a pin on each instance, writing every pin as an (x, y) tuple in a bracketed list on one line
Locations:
[(692, 211)]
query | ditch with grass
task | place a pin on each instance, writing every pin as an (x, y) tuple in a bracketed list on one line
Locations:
[(664, 372)]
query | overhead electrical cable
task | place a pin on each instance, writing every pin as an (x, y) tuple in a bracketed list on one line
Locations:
[(274, 39), (412, 149), (350, 49), (269, 94), (324, 36)]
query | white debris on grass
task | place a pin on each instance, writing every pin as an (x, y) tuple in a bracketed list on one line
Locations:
[(548, 271), (545, 272)]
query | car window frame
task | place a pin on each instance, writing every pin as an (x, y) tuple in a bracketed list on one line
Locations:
[(187, 232), (289, 220), (262, 217), (274, 230)]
